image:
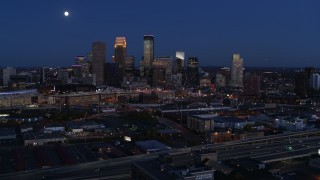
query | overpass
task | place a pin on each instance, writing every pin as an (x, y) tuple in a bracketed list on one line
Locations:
[(265, 149)]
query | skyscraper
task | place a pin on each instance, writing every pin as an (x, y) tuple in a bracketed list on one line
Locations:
[(129, 65), (9, 71), (237, 71), (148, 50), (148, 55), (120, 53), (180, 61), (48, 75), (84, 65), (193, 71), (98, 62), (315, 81), (161, 71), (252, 85)]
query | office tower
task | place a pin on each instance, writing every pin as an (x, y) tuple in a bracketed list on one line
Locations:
[(180, 61), (120, 53), (161, 71), (158, 75), (48, 75), (237, 71), (148, 50), (82, 63), (176, 80), (141, 68), (7, 72), (204, 82), (220, 81), (98, 62), (148, 56), (19, 81), (112, 74), (129, 65), (193, 71), (64, 75), (315, 82), (77, 71), (252, 85)]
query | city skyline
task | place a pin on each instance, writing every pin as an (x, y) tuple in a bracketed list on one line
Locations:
[(269, 34)]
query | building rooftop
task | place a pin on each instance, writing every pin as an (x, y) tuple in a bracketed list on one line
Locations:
[(153, 169), (230, 119), (7, 132), (151, 145), (31, 91), (30, 136)]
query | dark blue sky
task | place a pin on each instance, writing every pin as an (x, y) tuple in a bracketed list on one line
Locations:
[(265, 33)]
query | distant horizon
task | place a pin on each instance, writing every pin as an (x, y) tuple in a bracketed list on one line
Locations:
[(136, 67), (272, 33)]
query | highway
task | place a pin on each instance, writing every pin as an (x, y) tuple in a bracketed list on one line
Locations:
[(109, 169), (266, 149)]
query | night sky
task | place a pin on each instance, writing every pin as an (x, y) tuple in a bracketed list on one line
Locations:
[(266, 33)]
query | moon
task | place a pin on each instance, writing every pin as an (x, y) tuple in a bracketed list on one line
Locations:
[(66, 13)]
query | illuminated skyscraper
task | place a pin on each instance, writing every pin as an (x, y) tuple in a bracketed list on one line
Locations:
[(148, 56), (120, 53), (98, 62), (148, 50), (180, 61), (237, 71)]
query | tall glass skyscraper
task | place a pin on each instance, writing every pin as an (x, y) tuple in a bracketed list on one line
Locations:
[(237, 71), (148, 53), (148, 57), (120, 53), (193, 71), (98, 62)]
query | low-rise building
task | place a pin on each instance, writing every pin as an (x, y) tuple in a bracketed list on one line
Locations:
[(289, 123), (26, 128), (201, 123), (80, 126), (32, 139), (209, 122), (52, 128), (7, 134), (18, 98), (150, 146), (171, 166)]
